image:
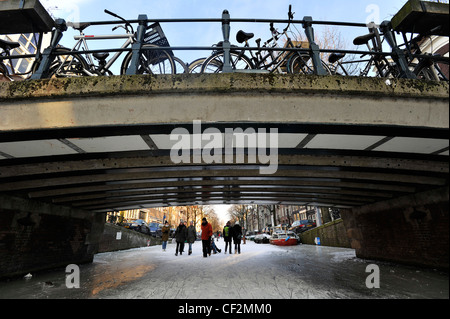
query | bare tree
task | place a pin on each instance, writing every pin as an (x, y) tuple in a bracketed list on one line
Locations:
[(211, 216), (330, 38)]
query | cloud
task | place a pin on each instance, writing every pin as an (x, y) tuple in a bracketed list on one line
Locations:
[(65, 9)]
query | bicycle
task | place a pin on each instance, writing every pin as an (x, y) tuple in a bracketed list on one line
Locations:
[(431, 66), (383, 67), (69, 64), (285, 61)]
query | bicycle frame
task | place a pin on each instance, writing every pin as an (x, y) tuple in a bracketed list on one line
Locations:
[(382, 65), (277, 59), (82, 40)]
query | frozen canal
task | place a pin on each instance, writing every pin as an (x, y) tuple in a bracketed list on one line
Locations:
[(260, 271)]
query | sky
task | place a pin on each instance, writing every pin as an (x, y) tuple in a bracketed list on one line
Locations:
[(207, 34)]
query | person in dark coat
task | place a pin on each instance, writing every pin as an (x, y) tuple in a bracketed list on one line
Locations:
[(237, 236), (227, 236), (180, 237), (165, 235), (191, 236)]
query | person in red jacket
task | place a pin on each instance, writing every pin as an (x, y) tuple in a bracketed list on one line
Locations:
[(206, 237)]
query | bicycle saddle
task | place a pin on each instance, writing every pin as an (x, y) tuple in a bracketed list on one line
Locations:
[(363, 39), (242, 36), (8, 45), (80, 26), (101, 56), (335, 57)]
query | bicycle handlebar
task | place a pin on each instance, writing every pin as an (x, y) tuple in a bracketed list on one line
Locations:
[(290, 17), (127, 24), (114, 15)]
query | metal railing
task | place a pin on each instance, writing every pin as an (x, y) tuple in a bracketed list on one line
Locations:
[(397, 54)]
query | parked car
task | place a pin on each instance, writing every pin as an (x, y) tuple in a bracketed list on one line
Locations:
[(138, 225), (250, 235), (300, 226), (262, 239), (155, 229)]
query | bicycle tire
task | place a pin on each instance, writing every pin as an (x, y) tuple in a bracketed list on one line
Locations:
[(180, 66), (196, 65), (424, 71), (302, 64), (72, 66), (214, 64), (3, 69), (150, 62)]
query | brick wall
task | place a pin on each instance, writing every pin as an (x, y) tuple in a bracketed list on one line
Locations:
[(37, 236), (411, 230), (330, 234)]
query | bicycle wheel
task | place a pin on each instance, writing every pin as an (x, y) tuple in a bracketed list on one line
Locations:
[(432, 71), (65, 65), (196, 65), (214, 64), (180, 66), (3, 69), (302, 64), (150, 61)]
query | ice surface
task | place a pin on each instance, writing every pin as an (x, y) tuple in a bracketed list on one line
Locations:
[(261, 271)]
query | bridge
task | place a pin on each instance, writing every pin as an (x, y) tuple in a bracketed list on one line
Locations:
[(76, 148)]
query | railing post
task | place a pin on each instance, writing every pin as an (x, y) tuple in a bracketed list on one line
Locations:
[(315, 55), (137, 46), (397, 54), (47, 55), (226, 42)]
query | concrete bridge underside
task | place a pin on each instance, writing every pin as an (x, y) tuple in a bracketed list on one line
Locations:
[(103, 144)]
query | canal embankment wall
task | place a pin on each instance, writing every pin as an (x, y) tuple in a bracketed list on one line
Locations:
[(119, 238), (330, 234)]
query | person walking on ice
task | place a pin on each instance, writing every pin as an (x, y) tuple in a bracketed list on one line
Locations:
[(206, 237), (227, 236), (237, 236), (180, 237), (191, 236), (165, 235)]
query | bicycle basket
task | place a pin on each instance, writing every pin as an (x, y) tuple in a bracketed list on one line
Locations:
[(156, 36)]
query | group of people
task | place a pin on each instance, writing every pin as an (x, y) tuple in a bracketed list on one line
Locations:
[(182, 234), (188, 235), (232, 232)]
